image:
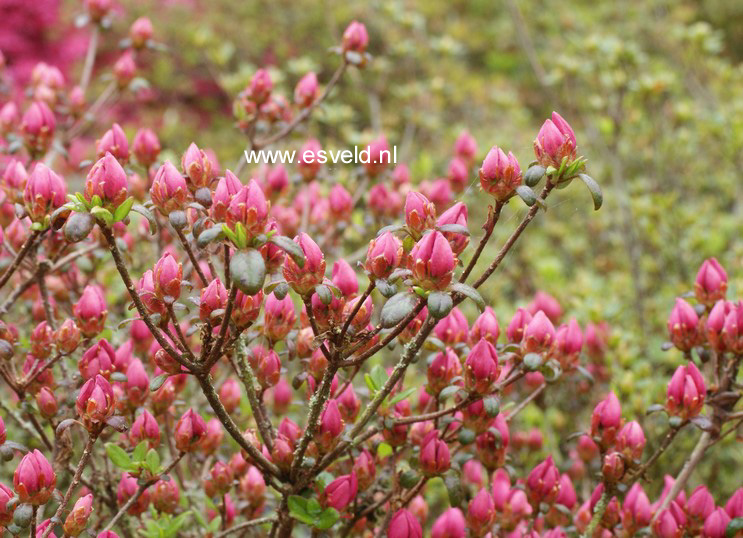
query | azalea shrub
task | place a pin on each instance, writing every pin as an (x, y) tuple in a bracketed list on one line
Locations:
[(303, 349)]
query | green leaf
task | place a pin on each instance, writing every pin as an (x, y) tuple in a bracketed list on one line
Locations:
[(454, 488), (385, 288), (532, 361), (735, 526), (118, 457), (157, 382), (313, 507), (448, 391), (140, 451), (242, 235), (248, 271), (324, 293), (453, 228), (379, 375), (390, 228), (470, 293), (102, 214), (210, 234), (533, 175), (123, 210), (227, 231), (152, 460), (177, 523), (146, 213), (384, 450), (397, 308), (370, 383), (290, 247), (80, 198), (492, 406), (327, 518), (594, 189), (401, 396), (439, 304), (527, 195), (298, 509)]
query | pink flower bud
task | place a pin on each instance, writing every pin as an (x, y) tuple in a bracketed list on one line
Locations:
[(47, 404), (146, 289), (114, 142), (169, 191), (716, 324), (107, 180), (734, 506), (145, 428), (97, 360), (458, 174), (213, 298), (250, 208), (539, 335), (434, 455), (306, 90), (230, 394), (635, 509), (124, 69), (67, 337), (606, 419), (37, 126), (283, 452), (612, 467), (268, 369), (631, 440), (517, 326), (700, 504), (555, 141), (127, 488), (34, 479), (481, 512), (344, 278), (78, 517), (683, 326), (686, 392), (481, 368), (340, 492), (6, 514), (41, 340), (442, 370), (140, 32), (404, 524), (543, 483), (212, 438), (260, 86), (253, 486), (330, 428), (485, 327), (309, 164), (137, 383), (501, 489), (45, 191), (189, 431), (491, 445), (456, 214), (95, 402), (732, 330), (304, 279), (711, 283), (567, 496), (340, 202), (379, 156), (450, 524), (197, 166), (716, 524), (465, 147), (279, 317), (355, 38), (383, 255), (568, 344), (9, 117), (666, 525), (15, 176), (432, 261), (165, 496), (349, 404), (167, 276), (220, 480), (420, 213), (146, 147), (500, 174)]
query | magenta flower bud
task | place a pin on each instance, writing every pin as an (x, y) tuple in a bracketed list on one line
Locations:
[(189, 431), (268, 369), (226, 189), (711, 283), (90, 311), (283, 452), (567, 496), (95, 402), (456, 214), (145, 428), (340, 202), (666, 525), (555, 141), (213, 298), (9, 117), (330, 428), (260, 86), (732, 330), (481, 368), (716, 324), (547, 304), (683, 326), (355, 38), (304, 279), (636, 512), (6, 514), (465, 147), (146, 289), (253, 486), (379, 156), (282, 396), (383, 255), (734, 506), (491, 446), (543, 483), (306, 91), (716, 524), (434, 455), (140, 32), (340, 492), (15, 177), (197, 166), (126, 489), (420, 213), (450, 524), (631, 440), (500, 174), (146, 147), (41, 340), (501, 489), (99, 359), (485, 327), (67, 337), (349, 404), (568, 344), (308, 163), (47, 404), (78, 517), (432, 261), (539, 335), (365, 469), (107, 180), (219, 481), (212, 438), (481, 512), (37, 127), (124, 69), (606, 419), (246, 308), (472, 472), (169, 191), (279, 317), (344, 278), (44, 192), (517, 326), (612, 467), (404, 524), (250, 208), (230, 394), (167, 276), (700, 505), (137, 383), (165, 496), (442, 370), (34, 479), (457, 174), (114, 142), (686, 392)]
